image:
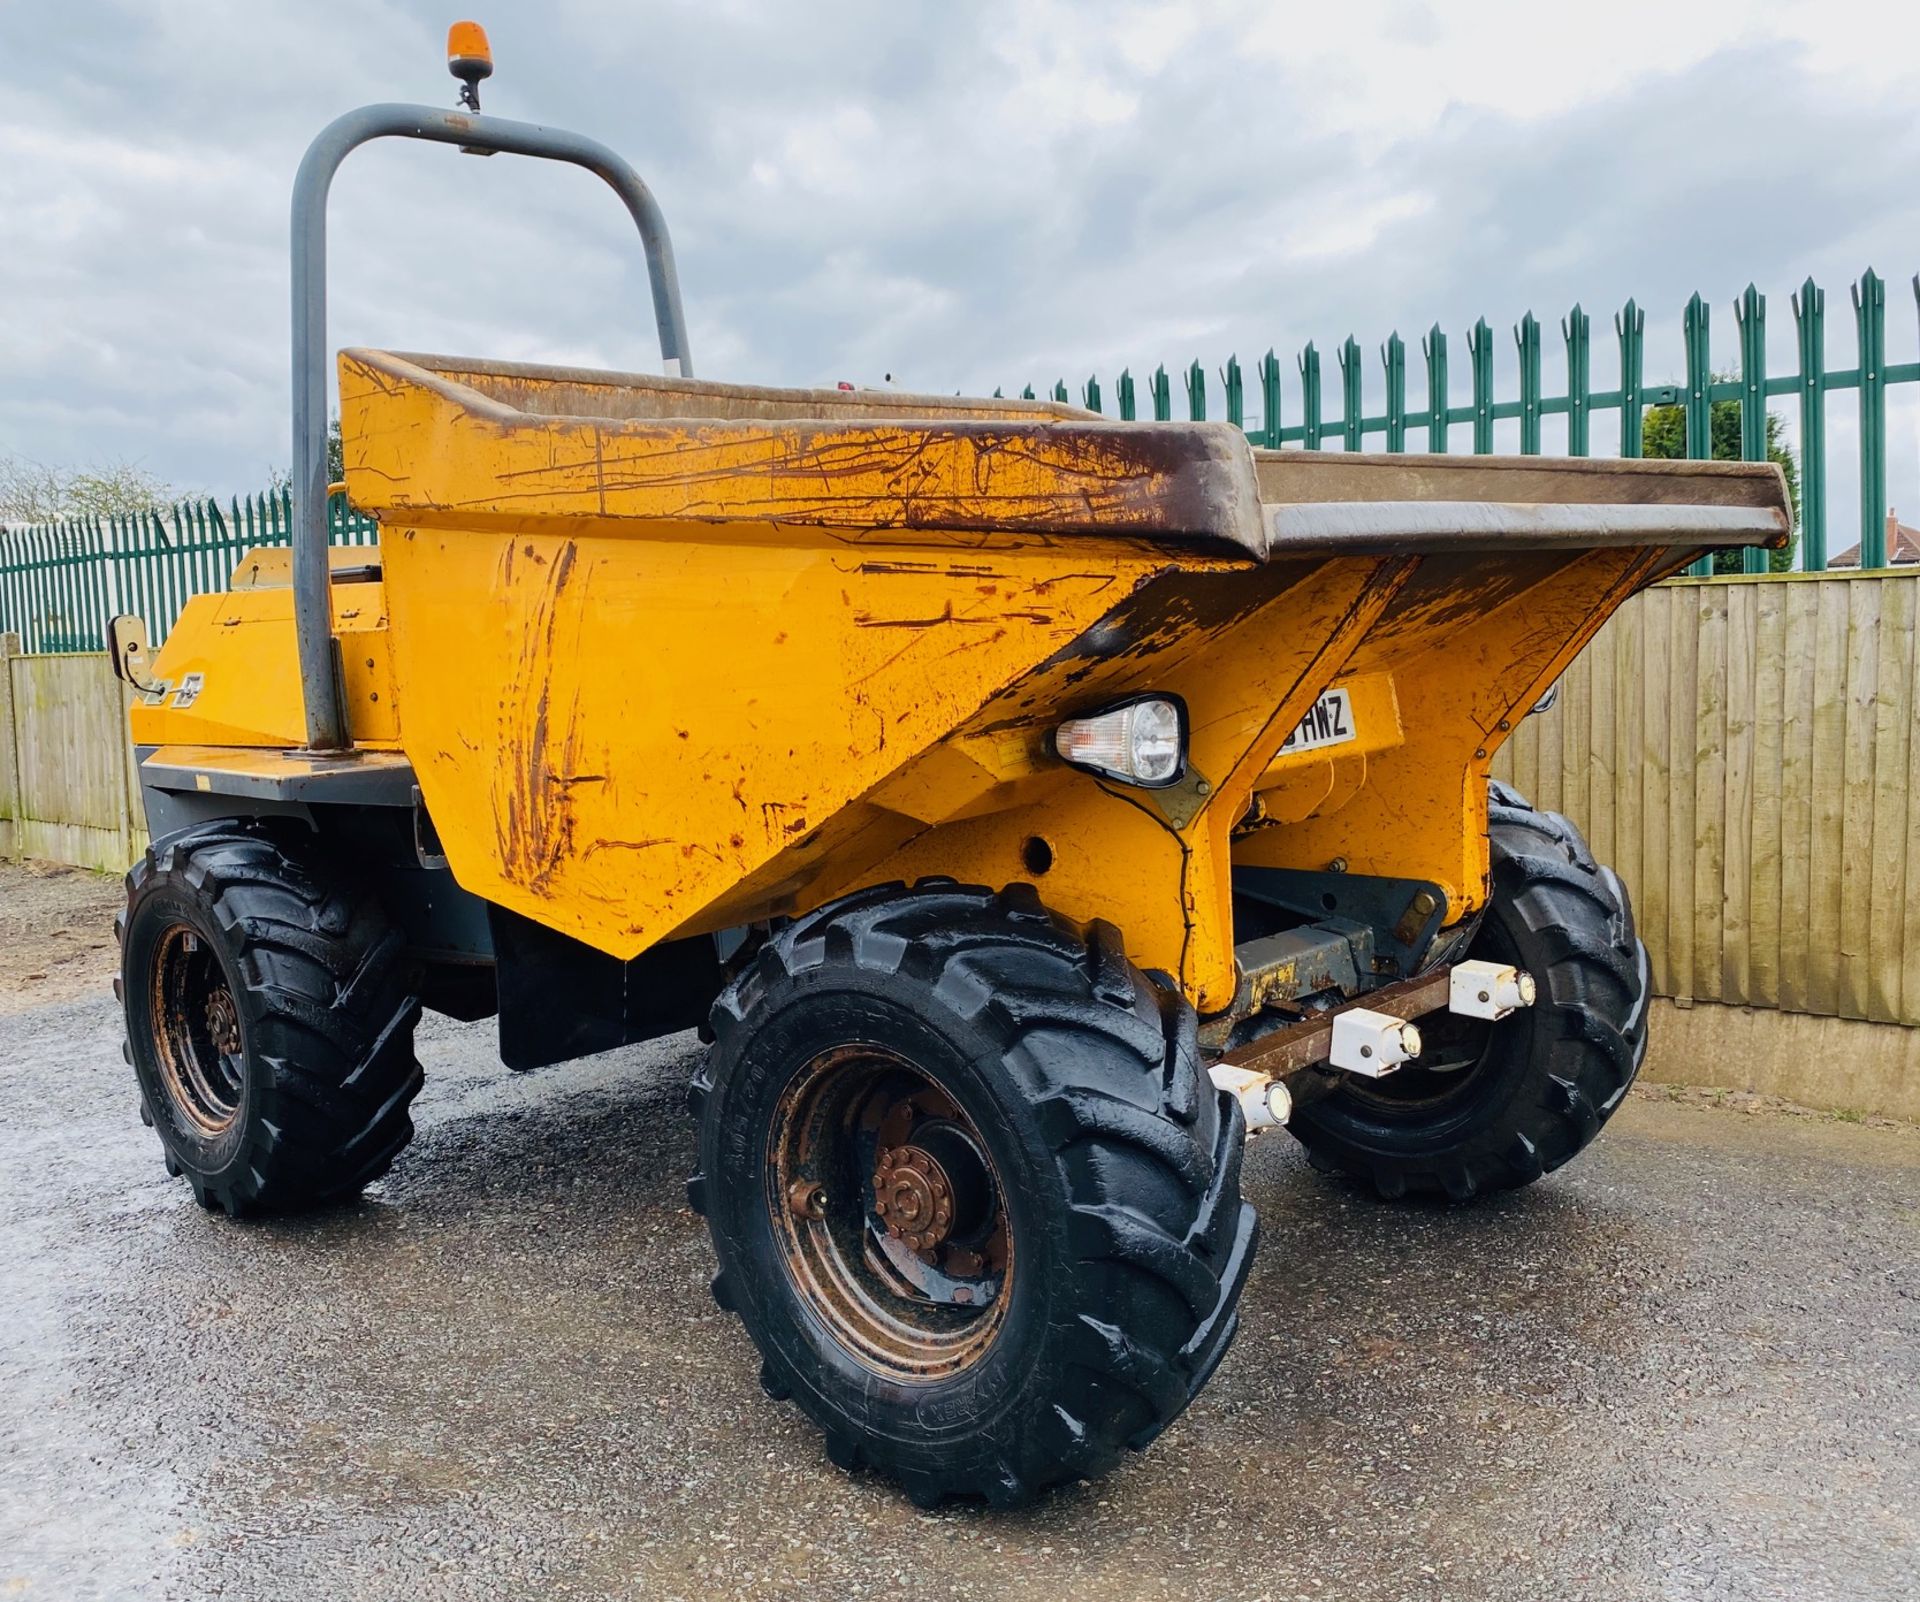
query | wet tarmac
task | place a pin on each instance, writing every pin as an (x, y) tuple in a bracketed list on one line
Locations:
[(1689, 1366)]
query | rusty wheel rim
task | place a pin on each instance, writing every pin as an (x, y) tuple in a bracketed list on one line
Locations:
[(196, 1031), (889, 1214)]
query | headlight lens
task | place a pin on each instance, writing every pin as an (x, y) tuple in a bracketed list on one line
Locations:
[(1141, 742)]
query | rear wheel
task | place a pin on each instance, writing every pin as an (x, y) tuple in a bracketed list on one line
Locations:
[(1491, 1106), (970, 1190), (270, 1015)]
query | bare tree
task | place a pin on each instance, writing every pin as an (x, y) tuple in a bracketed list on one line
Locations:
[(34, 492)]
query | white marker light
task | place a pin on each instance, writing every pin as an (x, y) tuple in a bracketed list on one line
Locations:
[(1143, 742), (1489, 989), (1371, 1043)]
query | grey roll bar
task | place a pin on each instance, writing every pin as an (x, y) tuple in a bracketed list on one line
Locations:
[(312, 603)]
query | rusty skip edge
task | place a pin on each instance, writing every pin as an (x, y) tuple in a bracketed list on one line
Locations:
[(884, 467), (727, 453)]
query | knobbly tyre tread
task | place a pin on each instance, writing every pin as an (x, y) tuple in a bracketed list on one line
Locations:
[(1106, 1063), (1595, 983), (328, 1001)]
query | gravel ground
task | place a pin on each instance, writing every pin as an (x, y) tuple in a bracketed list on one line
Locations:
[(56, 933), (1689, 1366)]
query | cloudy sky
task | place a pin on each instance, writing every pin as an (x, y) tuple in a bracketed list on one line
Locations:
[(961, 195)]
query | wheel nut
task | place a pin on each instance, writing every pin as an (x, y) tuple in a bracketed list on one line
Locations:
[(807, 1198)]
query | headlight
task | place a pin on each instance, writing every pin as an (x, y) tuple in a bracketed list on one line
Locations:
[(1141, 742)]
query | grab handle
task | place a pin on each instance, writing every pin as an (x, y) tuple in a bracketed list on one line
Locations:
[(312, 603)]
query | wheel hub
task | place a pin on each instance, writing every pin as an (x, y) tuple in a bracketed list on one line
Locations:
[(888, 1213), (223, 1022), (196, 1032), (914, 1197)]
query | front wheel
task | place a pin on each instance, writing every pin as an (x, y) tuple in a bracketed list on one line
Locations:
[(971, 1192), (270, 1011), (1492, 1106)]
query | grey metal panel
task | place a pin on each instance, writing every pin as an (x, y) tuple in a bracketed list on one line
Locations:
[(338, 781), (1467, 525)]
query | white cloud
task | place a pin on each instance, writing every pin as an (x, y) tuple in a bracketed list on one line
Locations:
[(966, 196)]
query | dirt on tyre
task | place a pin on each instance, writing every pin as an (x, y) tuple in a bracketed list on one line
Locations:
[(1492, 1106), (971, 1192), (270, 1010)]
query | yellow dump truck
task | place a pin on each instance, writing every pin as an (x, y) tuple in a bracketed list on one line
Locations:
[(1023, 805)]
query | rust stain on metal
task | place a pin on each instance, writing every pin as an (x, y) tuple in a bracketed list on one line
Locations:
[(1304, 1044), (534, 812), (866, 620)]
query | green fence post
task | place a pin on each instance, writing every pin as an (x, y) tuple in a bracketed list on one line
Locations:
[(1026, 393), (178, 568), (1631, 325), (126, 571), (129, 589), (1350, 405), (199, 566), (31, 604), (99, 605), (166, 602), (1480, 350), (1196, 382), (47, 602), (1270, 398), (1090, 394), (1577, 331), (33, 600), (13, 569), (220, 550), (1698, 408), (1434, 348), (1870, 319), (193, 555), (1125, 396), (236, 538), (1393, 357), (1750, 312), (1810, 321), (1060, 391), (53, 620), (1162, 389), (1526, 337), (166, 563), (1235, 387), (1310, 424)]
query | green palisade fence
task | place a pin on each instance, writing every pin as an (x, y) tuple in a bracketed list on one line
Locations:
[(1432, 426), (61, 582)]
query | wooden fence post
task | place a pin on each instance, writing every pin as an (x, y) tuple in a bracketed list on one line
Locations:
[(9, 749)]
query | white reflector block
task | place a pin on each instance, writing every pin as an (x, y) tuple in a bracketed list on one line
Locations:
[(1372, 1043), (1488, 989)]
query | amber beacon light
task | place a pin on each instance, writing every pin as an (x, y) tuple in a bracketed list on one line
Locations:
[(469, 58)]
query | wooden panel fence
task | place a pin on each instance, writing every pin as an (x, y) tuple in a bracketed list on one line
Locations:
[(1743, 751), (67, 787)]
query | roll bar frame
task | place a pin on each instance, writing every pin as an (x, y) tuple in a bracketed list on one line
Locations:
[(320, 687)]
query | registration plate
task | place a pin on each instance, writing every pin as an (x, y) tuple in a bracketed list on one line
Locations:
[(1329, 721)]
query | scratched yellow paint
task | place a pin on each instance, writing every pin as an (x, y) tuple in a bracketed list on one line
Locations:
[(241, 645), (636, 725), (659, 676), (1470, 645)]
